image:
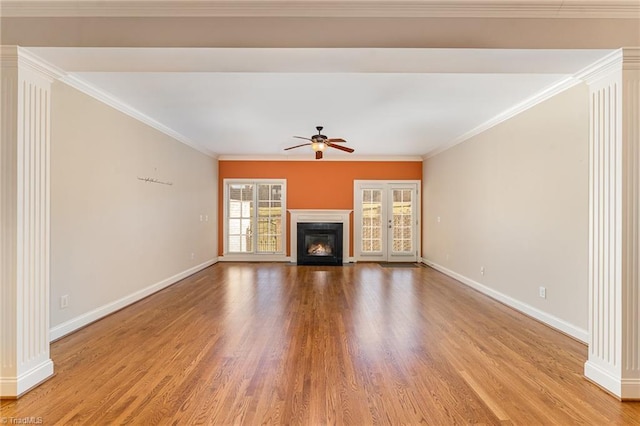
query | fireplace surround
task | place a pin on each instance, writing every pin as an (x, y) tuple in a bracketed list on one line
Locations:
[(318, 216)]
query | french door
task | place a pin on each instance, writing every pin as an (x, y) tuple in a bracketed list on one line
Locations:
[(386, 221)]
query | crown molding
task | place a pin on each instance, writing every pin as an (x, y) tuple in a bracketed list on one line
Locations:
[(627, 58), (610, 63), (29, 60), (121, 106), (626, 9), (15, 56), (534, 100)]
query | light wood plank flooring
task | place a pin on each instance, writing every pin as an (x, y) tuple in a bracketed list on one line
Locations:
[(279, 344)]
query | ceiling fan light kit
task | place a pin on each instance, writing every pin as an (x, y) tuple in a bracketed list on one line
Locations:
[(318, 146), (320, 142)]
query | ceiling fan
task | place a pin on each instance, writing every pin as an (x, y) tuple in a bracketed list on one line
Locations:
[(320, 142)]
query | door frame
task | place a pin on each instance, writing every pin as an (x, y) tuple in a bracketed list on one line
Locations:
[(357, 218)]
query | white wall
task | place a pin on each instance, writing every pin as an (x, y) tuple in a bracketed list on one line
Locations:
[(115, 238), (514, 200)]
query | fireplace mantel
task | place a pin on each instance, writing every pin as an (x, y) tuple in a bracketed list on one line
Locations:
[(319, 216)]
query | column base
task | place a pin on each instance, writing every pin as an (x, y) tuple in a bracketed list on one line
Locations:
[(13, 388), (623, 389)]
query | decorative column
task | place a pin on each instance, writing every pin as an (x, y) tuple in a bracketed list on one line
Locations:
[(614, 224), (24, 221)]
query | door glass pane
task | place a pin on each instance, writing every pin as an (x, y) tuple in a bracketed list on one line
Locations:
[(239, 218), (269, 238), (371, 220), (402, 235), (234, 243)]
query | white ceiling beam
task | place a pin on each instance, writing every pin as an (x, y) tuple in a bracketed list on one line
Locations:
[(624, 9)]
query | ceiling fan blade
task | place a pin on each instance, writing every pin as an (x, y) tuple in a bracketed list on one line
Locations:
[(301, 137), (341, 148), (318, 155), (297, 146), (336, 140)]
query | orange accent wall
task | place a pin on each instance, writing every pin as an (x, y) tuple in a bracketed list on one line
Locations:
[(315, 184)]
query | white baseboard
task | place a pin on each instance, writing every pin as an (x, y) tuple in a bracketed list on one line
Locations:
[(550, 320), (14, 387), (87, 318)]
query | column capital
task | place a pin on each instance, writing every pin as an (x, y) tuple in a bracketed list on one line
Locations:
[(19, 57), (631, 58), (627, 58)]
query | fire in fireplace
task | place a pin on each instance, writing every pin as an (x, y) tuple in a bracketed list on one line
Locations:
[(319, 243), (320, 248)]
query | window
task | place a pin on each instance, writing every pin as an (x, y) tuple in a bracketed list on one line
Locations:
[(255, 216)]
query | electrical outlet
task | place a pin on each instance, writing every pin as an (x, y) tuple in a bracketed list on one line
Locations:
[(482, 270), (64, 301), (542, 292), (193, 256)]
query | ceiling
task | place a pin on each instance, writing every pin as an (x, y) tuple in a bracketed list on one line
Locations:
[(386, 102)]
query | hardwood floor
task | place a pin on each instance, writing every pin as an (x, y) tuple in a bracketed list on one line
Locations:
[(278, 344)]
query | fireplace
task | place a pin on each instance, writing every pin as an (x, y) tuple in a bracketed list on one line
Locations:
[(319, 243), (318, 216)]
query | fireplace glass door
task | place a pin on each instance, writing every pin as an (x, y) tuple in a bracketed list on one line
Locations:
[(319, 243)]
